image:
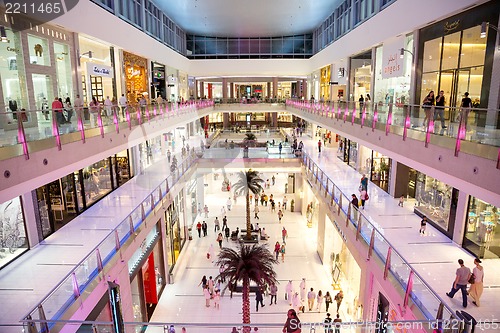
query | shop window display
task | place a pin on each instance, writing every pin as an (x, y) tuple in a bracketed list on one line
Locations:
[(63, 70), (433, 199), (13, 241), (96, 181), (13, 78), (39, 50), (481, 237)]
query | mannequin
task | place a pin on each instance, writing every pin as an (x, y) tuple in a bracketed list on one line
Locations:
[(13, 107)]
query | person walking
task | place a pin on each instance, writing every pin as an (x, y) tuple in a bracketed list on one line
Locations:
[(198, 227), (292, 324), (327, 324), (169, 156), (280, 215), (227, 233), (363, 184), (58, 107), (427, 104), (277, 249), (122, 101), (207, 296), (338, 298), (219, 240), (205, 210), (259, 299), (476, 287), (363, 196), (285, 200), (256, 211), (282, 250), (302, 287), (204, 227), (319, 146), (328, 300), (423, 225), (273, 179), (216, 298), (319, 301), (228, 204), (210, 285), (439, 109), (284, 234), (203, 282), (337, 323), (289, 292), (466, 106), (273, 291), (461, 279), (401, 201), (224, 223), (311, 297), (216, 224), (297, 303)]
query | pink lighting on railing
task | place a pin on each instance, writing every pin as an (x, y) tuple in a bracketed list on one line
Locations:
[(388, 123), (353, 115), (430, 130), (346, 113), (127, 116), (116, 122), (99, 124), (339, 112), (375, 118), (498, 159), (138, 114), (55, 130), (147, 113), (80, 125), (363, 117), (21, 137), (407, 125), (154, 111)]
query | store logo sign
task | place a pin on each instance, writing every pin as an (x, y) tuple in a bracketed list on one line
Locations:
[(99, 70), (392, 64), (450, 26)]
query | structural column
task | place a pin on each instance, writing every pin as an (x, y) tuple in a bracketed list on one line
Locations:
[(269, 90), (224, 88), (274, 119), (460, 217), (304, 89), (400, 176), (231, 90), (225, 120), (202, 89), (275, 87)]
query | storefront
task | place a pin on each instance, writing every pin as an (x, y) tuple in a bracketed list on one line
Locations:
[(310, 207), (480, 234), (97, 64), (13, 240), (454, 57), (158, 82), (435, 199), (284, 90), (192, 202), (176, 230), (147, 276), (149, 152), (285, 119), (62, 200), (376, 167), (393, 74), (136, 77), (348, 152), (361, 76), (342, 268)]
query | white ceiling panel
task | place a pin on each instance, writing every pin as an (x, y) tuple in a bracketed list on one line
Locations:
[(239, 18)]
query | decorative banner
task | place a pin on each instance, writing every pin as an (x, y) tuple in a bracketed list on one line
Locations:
[(392, 64), (99, 70)]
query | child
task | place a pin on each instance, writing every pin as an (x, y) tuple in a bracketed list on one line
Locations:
[(423, 225), (401, 201)]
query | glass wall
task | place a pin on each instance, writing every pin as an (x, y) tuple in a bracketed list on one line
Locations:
[(393, 89), (62, 200), (39, 50), (481, 236), (361, 72), (434, 200), (13, 78), (13, 240), (63, 70), (136, 77), (176, 230)]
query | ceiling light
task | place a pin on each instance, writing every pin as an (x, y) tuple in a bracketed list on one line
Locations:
[(402, 53)]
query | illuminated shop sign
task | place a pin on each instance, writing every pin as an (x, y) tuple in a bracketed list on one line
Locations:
[(99, 70)]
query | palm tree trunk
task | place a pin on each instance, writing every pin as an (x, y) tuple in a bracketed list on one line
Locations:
[(249, 231), (246, 305)]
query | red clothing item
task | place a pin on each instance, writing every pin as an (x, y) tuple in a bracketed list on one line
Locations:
[(57, 106)]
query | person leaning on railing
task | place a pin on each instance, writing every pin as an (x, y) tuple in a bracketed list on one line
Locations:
[(78, 107), (57, 107), (465, 106)]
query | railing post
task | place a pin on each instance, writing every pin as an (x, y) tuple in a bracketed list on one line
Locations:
[(339, 111), (117, 241), (387, 263), (147, 113), (346, 111), (21, 137), (99, 260), (353, 114), (358, 229), (430, 127), (375, 117), (363, 116), (372, 244), (138, 114), (44, 327), (348, 217), (130, 224), (407, 122), (127, 115), (143, 213), (55, 130), (116, 121), (389, 120), (99, 123), (340, 205), (152, 203), (81, 121), (76, 287)]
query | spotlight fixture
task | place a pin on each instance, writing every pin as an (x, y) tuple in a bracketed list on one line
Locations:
[(483, 29), (3, 35), (402, 53)]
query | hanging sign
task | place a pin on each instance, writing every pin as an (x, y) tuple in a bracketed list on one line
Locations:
[(392, 64)]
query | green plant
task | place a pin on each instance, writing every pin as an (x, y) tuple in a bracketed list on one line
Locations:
[(250, 137), (248, 181), (250, 263)]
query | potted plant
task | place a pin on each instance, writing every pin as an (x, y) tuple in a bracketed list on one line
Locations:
[(292, 205)]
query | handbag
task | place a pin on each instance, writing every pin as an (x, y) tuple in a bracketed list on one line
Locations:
[(472, 279)]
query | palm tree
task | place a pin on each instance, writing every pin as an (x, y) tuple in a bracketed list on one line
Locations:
[(249, 181), (250, 263), (250, 137)]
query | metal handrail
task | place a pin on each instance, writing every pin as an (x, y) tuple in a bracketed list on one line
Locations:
[(306, 156), (190, 159)]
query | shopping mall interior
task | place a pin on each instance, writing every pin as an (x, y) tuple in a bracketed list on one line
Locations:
[(127, 124)]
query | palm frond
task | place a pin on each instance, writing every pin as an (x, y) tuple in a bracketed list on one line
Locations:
[(248, 181)]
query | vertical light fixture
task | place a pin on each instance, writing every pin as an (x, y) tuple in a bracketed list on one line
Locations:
[(3, 35)]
